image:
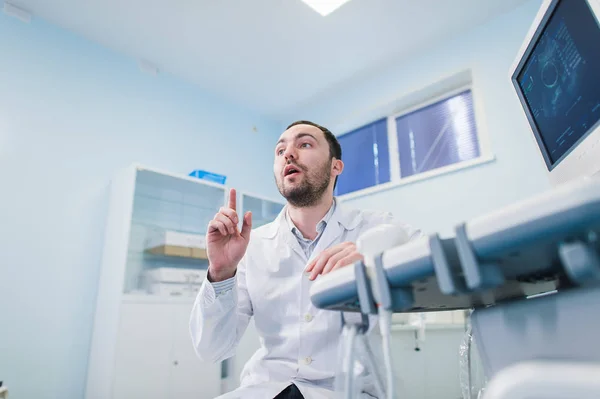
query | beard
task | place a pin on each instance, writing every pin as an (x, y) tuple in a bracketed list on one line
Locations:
[(310, 190)]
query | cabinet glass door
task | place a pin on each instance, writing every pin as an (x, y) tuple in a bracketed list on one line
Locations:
[(169, 219), (263, 210)]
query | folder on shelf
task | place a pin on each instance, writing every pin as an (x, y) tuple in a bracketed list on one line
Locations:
[(174, 243)]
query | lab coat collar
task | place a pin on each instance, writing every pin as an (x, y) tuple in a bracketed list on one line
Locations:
[(347, 218)]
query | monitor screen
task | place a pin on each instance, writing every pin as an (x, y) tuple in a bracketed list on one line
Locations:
[(559, 80)]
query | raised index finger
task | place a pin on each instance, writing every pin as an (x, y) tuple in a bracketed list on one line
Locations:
[(232, 199)]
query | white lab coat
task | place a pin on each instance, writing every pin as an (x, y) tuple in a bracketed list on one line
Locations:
[(299, 343)]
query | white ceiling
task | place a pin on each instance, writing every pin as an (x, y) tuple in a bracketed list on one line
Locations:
[(267, 55)]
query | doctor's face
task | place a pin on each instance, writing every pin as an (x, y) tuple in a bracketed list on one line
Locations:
[(303, 166)]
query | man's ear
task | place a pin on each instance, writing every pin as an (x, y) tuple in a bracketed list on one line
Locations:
[(337, 166)]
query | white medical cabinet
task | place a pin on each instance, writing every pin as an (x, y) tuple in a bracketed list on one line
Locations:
[(153, 263)]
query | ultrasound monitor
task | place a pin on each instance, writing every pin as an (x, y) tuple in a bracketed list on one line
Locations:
[(556, 76)]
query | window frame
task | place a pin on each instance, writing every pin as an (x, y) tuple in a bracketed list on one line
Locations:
[(485, 153)]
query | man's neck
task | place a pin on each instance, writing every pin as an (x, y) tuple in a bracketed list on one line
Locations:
[(307, 218)]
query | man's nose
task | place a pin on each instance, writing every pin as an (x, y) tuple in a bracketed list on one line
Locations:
[(290, 153)]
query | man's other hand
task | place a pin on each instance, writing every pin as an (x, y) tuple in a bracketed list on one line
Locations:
[(333, 258)]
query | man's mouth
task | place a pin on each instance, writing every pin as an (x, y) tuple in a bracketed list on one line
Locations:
[(291, 171)]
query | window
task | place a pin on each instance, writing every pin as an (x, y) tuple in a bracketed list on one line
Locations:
[(431, 139), (438, 135), (367, 150)]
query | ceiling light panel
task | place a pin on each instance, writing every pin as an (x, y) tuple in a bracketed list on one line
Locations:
[(325, 7)]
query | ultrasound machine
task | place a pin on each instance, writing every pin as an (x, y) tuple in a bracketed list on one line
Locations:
[(529, 272)]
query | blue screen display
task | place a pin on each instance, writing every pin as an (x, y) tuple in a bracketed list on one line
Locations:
[(560, 81)]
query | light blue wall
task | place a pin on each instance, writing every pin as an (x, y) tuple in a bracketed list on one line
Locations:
[(439, 203), (71, 114)]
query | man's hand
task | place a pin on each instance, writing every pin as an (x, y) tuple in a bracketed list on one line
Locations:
[(225, 243), (341, 255)]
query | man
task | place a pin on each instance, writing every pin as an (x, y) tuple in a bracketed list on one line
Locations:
[(267, 274)]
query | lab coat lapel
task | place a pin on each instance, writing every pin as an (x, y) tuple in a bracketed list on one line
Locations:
[(284, 234), (291, 240), (333, 231), (340, 221)]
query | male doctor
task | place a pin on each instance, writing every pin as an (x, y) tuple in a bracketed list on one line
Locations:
[(267, 273)]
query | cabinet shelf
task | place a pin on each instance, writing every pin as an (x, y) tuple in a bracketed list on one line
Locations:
[(178, 252)]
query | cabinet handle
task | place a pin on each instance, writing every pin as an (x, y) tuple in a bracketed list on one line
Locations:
[(175, 363)]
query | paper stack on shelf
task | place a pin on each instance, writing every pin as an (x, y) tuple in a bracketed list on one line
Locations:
[(174, 243), (167, 281)]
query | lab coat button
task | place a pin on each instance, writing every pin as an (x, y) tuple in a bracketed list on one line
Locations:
[(308, 318), (307, 360)]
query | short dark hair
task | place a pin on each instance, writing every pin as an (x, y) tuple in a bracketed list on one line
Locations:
[(335, 149)]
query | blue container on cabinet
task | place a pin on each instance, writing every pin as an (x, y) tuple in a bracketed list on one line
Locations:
[(213, 177)]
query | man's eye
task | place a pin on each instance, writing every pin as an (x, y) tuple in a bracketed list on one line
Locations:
[(305, 145), (279, 152)]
